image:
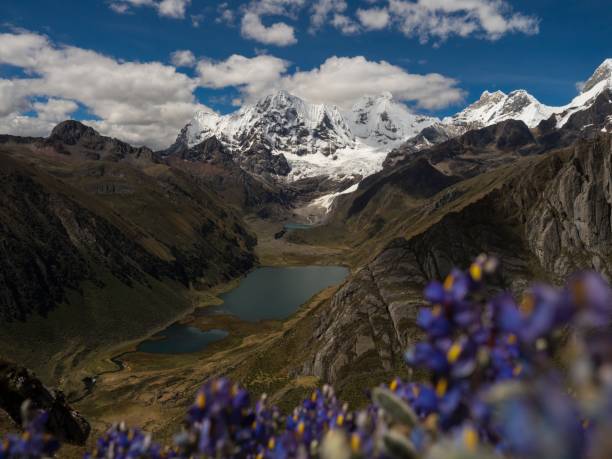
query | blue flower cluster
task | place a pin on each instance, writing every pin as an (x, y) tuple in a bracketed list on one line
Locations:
[(528, 379), (122, 443), (33, 443)]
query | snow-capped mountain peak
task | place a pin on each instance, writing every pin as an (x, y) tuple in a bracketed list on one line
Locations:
[(282, 121), (314, 138), (603, 73), (595, 85), (381, 121), (494, 107), (309, 139)]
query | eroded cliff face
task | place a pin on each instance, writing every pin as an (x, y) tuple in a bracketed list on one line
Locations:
[(551, 216), (569, 226)]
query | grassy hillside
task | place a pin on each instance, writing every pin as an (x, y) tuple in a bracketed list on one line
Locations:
[(102, 243)]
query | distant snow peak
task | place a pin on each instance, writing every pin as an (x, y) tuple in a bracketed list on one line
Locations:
[(600, 81), (494, 107), (315, 138), (320, 139), (380, 121), (602, 73)]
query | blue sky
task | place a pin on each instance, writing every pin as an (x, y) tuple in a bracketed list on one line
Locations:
[(544, 46)]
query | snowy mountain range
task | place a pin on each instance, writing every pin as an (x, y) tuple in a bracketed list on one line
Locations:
[(318, 139)]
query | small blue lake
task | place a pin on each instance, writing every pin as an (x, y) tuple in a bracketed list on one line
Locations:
[(298, 226), (180, 339), (271, 293)]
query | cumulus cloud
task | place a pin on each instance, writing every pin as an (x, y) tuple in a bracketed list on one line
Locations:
[(173, 8), (325, 10), (142, 103), (169, 8), (13, 97), (342, 80), (373, 18), (182, 58), (48, 114), (253, 76), (279, 34), (55, 110), (345, 24), (339, 80), (441, 19), (427, 20)]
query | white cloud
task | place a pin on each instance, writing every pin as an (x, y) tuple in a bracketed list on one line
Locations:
[(182, 58), (173, 8), (142, 103), (441, 19), (279, 34), (342, 80), (580, 86), (13, 97), (120, 8), (48, 114), (168, 8), (55, 110), (148, 103), (323, 10), (345, 24), (339, 80), (254, 76), (373, 18)]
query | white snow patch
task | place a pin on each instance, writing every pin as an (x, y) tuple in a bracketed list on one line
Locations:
[(360, 160), (327, 200)]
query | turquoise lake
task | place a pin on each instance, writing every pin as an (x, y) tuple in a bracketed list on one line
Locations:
[(270, 293)]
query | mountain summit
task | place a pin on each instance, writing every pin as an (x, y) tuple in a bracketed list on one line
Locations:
[(603, 73), (310, 139), (316, 139), (495, 107)]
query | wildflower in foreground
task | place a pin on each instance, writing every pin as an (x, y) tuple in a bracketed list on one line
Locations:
[(33, 443)]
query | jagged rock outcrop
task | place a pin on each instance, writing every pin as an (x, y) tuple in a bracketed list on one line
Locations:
[(212, 162), (73, 137), (18, 384), (427, 138)]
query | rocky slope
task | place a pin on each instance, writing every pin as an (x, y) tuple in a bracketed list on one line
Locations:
[(545, 216), (241, 180)]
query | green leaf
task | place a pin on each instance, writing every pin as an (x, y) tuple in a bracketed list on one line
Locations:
[(395, 407)]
